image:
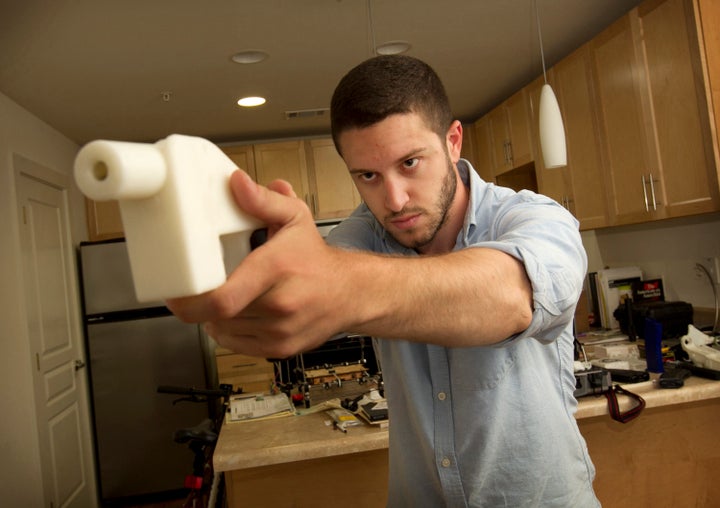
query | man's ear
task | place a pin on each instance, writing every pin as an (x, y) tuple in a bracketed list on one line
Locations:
[(454, 140)]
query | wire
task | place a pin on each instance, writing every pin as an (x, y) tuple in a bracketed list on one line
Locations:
[(542, 53), (715, 295), (371, 26)]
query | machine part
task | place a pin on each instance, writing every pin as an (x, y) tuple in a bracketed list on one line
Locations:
[(695, 344), (591, 381)]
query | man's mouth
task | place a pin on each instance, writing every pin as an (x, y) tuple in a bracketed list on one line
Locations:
[(405, 222)]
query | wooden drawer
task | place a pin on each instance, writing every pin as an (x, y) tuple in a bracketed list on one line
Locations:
[(246, 372)]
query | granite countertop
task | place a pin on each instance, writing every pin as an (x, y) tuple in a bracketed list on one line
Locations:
[(247, 445), (695, 389), (243, 445)]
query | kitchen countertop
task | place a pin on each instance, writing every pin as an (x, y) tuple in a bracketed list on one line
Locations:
[(248, 445)]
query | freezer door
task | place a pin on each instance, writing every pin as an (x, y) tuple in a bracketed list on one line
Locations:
[(133, 424), (107, 282)]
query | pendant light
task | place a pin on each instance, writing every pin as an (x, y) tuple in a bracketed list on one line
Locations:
[(552, 132)]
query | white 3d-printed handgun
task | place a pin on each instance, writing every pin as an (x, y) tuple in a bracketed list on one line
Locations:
[(181, 223)]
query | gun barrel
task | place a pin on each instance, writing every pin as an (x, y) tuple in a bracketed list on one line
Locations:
[(106, 170)]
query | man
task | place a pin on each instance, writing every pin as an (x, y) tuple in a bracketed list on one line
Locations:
[(470, 289)]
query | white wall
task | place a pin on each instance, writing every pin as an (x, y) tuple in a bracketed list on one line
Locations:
[(24, 134), (666, 249)]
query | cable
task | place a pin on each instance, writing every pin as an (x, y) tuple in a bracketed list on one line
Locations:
[(715, 295)]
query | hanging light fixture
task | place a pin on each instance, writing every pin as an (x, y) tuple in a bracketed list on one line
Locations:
[(552, 132)]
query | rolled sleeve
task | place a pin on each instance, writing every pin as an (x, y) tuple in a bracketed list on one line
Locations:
[(545, 238)]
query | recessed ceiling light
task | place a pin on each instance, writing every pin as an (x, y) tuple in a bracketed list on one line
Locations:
[(393, 48), (249, 102), (250, 56)]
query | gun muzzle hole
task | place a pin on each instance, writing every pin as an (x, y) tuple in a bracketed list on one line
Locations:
[(100, 171)]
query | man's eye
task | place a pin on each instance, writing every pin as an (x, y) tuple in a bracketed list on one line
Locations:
[(366, 177), (411, 163)]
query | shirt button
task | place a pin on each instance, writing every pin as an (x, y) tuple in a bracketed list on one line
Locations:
[(445, 462), (442, 396)]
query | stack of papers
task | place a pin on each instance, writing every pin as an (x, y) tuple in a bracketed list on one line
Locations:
[(259, 406)]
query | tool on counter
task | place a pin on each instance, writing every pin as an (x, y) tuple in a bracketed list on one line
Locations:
[(697, 346)]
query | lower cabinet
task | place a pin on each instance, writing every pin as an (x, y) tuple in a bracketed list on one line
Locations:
[(246, 372)]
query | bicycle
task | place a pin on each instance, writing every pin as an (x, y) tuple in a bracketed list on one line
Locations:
[(205, 486)]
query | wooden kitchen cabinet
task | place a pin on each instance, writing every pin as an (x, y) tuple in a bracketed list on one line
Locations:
[(283, 160), (103, 219), (579, 186), (333, 192), (483, 149), (243, 156), (247, 372), (652, 115), (708, 24), (510, 134)]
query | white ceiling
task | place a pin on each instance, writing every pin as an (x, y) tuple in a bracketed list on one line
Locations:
[(98, 68)]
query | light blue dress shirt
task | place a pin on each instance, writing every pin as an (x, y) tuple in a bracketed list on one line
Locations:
[(490, 426)]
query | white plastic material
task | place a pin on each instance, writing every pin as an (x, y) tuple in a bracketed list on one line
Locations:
[(177, 211), (695, 344), (552, 132)]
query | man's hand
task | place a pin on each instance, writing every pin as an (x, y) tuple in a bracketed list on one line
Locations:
[(279, 300)]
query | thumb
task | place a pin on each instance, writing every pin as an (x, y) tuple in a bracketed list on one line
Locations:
[(271, 207)]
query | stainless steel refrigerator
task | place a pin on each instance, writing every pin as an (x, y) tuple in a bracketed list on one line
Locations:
[(132, 348)]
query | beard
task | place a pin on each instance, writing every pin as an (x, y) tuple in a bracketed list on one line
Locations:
[(437, 215)]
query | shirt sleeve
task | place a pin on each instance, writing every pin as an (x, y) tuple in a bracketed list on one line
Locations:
[(544, 236)]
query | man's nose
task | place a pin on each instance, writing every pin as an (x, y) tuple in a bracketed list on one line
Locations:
[(396, 196)]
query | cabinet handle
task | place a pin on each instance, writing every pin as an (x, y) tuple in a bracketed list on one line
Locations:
[(316, 205), (645, 196), (652, 191), (509, 152)]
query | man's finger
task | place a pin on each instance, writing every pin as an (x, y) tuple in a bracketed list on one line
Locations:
[(271, 207)]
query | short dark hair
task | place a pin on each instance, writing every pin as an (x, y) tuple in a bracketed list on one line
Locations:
[(386, 85)]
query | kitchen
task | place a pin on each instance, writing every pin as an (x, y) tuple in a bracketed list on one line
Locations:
[(668, 249)]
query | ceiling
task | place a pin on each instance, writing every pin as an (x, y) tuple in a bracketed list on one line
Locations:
[(104, 68)]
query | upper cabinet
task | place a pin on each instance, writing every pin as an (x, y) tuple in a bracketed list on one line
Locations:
[(510, 134), (313, 167), (653, 115), (483, 149), (708, 24), (244, 158), (283, 160), (333, 192), (579, 185)]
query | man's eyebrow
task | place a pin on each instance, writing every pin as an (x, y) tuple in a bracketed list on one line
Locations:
[(413, 153)]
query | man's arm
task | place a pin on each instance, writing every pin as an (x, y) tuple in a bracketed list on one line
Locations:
[(294, 292)]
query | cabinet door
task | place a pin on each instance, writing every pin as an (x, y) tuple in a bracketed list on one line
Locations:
[(584, 172), (334, 194), (284, 160), (518, 114), (678, 103), (483, 149), (103, 218), (623, 127), (243, 157), (500, 140), (510, 130), (553, 183), (709, 19)]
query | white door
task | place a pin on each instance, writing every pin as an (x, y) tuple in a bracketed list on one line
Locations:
[(60, 379)]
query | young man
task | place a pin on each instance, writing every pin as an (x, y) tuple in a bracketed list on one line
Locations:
[(469, 288)]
